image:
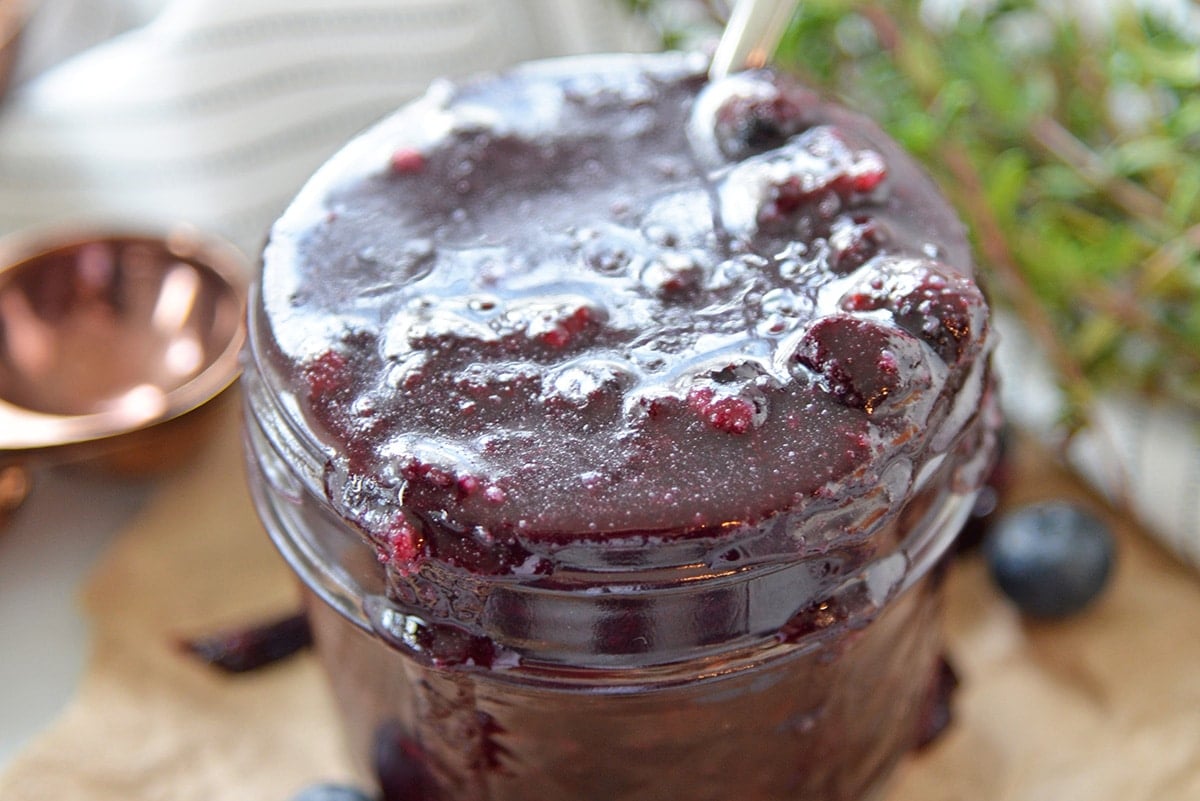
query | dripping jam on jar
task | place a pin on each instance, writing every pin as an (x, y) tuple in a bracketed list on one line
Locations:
[(613, 420)]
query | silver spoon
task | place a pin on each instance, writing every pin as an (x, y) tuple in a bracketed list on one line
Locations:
[(751, 35)]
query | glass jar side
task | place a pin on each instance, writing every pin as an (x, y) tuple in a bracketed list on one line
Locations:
[(619, 691), (819, 725)]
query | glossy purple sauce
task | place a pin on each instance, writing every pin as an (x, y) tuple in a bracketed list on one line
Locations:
[(546, 308)]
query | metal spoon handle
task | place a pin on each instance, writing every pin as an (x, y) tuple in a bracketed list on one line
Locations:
[(751, 35)]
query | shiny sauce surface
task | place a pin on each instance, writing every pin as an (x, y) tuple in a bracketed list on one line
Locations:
[(616, 300)]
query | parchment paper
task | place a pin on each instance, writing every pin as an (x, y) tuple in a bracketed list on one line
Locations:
[(1105, 706)]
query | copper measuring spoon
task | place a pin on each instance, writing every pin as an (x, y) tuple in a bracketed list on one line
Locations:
[(109, 342)]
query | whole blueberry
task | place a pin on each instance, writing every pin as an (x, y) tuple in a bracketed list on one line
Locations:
[(331, 792), (1052, 559)]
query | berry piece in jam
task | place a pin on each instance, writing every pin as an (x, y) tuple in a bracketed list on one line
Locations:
[(478, 550), (672, 275), (749, 125), (748, 114), (446, 645), (554, 328), (945, 309), (433, 475), (326, 374), (401, 547), (942, 314), (798, 190), (407, 161), (832, 177), (862, 363), (731, 413), (554, 322), (853, 241), (446, 326)]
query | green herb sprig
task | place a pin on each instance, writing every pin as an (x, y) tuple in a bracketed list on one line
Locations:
[(1073, 155)]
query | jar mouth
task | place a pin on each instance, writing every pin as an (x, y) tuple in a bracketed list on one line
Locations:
[(737, 618), (555, 647)]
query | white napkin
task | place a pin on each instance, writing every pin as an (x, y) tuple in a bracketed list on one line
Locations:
[(215, 111)]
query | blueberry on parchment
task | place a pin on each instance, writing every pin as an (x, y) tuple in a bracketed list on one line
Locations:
[(331, 792), (1051, 559)]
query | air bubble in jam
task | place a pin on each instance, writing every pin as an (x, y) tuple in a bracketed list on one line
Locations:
[(584, 384)]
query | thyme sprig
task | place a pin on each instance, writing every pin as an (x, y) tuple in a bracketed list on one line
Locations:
[(1070, 147)]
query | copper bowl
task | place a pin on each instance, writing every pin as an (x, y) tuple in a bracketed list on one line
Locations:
[(105, 338)]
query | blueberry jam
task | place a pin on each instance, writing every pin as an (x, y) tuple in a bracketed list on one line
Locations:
[(617, 408), (546, 307)]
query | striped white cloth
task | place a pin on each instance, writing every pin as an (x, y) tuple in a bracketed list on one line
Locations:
[(214, 112)]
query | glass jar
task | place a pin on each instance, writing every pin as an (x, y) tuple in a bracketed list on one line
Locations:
[(786, 678), (615, 421)]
